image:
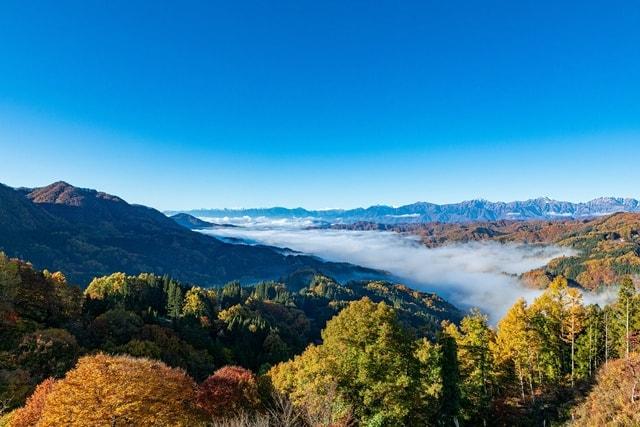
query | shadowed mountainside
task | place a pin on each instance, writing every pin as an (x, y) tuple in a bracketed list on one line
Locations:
[(87, 233), (191, 222)]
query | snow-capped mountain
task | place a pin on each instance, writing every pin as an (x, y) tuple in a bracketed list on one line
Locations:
[(471, 210)]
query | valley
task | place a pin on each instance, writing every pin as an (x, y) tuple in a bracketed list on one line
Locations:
[(470, 274), (600, 251), (279, 301), (319, 214)]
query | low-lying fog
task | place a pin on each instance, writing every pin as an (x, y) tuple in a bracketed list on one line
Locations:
[(476, 274)]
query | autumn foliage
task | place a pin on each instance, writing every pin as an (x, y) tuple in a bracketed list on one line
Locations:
[(32, 410), (229, 391), (121, 390), (381, 358), (615, 399), (365, 365)]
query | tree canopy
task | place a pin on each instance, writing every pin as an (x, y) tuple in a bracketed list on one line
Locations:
[(115, 390)]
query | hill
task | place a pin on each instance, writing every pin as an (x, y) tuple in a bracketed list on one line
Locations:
[(471, 210), (86, 233), (191, 222), (607, 248), (434, 234)]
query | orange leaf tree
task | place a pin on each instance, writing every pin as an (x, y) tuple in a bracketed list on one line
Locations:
[(32, 410), (121, 390)]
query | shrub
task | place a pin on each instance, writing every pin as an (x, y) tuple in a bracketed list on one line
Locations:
[(48, 353)]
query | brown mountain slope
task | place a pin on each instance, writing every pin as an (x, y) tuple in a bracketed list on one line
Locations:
[(434, 234), (607, 247)]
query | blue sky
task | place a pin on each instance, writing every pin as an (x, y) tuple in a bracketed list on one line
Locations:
[(322, 104)]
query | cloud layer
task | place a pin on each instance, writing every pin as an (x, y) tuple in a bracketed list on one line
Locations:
[(476, 274)]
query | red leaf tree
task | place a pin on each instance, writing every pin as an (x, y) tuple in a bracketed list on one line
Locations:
[(229, 391)]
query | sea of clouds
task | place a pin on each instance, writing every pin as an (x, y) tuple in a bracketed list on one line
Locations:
[(478, 274)]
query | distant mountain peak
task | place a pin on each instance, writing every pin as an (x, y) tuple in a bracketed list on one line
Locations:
[(469, 210), (545, 199), (190, 221), (63, 193)]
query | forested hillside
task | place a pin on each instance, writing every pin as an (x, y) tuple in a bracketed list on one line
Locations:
[(87, 233), (304, 353), (47, 324), (607, 248)]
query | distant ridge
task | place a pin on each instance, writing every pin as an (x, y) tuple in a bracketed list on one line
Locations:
[(193, 223), (190, 221), (471, 210)]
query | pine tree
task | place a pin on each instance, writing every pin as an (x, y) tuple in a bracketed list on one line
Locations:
[(450, 371), (231, 294), (626, 310), (174, 300), (591, 344)]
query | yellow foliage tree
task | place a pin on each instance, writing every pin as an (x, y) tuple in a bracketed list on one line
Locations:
[(366, 362), (514, 344), (121, 390), (103, 287), (574, 322), (305, 380)]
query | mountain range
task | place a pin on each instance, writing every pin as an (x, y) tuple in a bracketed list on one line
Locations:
[(472, 210), (86, 233)]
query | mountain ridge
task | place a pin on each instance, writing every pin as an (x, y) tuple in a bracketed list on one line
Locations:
[(85, 233), (465, 211)]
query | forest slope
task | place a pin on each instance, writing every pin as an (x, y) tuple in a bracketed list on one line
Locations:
[(607, 248), (86, 233), (46, 324)]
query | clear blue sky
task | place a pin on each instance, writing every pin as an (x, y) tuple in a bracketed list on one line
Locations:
[(320, 103)]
